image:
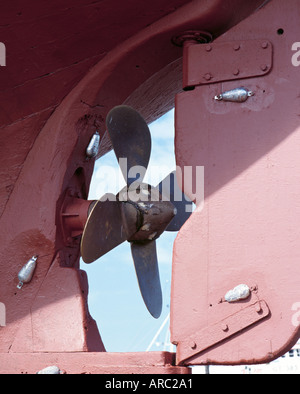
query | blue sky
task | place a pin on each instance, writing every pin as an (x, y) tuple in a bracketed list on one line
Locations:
[(115, 301)]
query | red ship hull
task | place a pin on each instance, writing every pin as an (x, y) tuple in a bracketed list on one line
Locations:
[(67, 64)]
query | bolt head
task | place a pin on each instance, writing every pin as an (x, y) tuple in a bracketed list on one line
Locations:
[(208, 76)]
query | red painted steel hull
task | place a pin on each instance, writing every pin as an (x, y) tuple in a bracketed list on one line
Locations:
[(246, 231), (68, 64)]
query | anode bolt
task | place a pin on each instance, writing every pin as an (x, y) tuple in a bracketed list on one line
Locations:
[(52, 370), (240, 292), (93, 148), (26, 273)]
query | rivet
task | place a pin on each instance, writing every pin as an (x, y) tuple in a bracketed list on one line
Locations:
[(208, 76), (208, 48), (236, 47), (258, 308), (263, 67), (192, 345), (224, 327), (265, 44), (236, 71)]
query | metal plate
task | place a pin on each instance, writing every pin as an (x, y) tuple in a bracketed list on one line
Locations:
[(216, 62), (247, 231), (222, 330)]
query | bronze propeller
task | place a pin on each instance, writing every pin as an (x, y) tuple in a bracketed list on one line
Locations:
[(139, 213)]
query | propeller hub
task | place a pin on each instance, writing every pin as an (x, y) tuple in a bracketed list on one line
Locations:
[(144, 212)]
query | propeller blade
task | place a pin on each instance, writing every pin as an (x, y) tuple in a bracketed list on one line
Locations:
[(169, 188), (131, 139), (146, 268), (103, 230)]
